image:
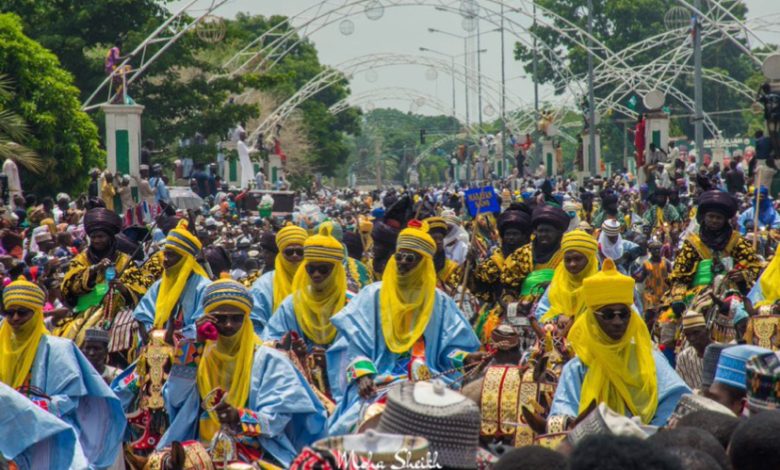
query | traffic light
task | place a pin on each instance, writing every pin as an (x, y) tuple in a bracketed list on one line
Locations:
[(422, 136)]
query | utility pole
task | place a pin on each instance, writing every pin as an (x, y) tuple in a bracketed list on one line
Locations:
[(503, 92), (466, 76), (377, 146), (538, 146), (479, 76), (452, 74), (698, 119), (591, 97)]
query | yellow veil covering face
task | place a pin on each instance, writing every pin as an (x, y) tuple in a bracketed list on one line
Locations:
[(284, 271), (406, 302), (18, 348), (770, 281), (180, 240), (313, 308), (620, 373), (227, 362), (565, 289)]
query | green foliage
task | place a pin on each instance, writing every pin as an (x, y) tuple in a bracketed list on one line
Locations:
[(44, 96), (398, 136)]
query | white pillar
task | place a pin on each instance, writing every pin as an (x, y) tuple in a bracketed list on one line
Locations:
[(586, 156), (123, 140), (656, 131)]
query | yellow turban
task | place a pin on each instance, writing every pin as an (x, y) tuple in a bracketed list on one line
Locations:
[(406, 302), (416, 238), (314, 308), (227, 361), (437, 223), (608, 287), (18, 348), (284, 271), (565, 289), (621, 373), (179, 240)]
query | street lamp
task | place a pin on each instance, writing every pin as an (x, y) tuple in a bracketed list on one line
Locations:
[(479, 65), (465, 71)]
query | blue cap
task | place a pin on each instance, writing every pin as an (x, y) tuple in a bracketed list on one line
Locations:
[(731, 365)]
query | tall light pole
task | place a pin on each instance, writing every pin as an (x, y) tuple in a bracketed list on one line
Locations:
[(452, 74), (479, 79), (591, 97), (698, 118), (503, 93), (479, 66)]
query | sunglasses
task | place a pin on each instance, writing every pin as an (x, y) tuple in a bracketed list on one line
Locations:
[(323, 269), (223, 317), (610, 315), (402, 257), (18, 313), (293, 252)]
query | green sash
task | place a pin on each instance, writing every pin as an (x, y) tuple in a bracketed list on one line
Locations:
[(703, 275), (91, 299), (532, 282)]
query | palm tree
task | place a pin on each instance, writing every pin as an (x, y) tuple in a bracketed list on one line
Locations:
[(13, 130)]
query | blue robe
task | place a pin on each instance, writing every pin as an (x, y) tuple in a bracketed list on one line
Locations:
[(34, 438), (263, 297), (191, 304), (80, 398), (289, 412), (284, 321), (747, 217), (447, 335), (670, 389)]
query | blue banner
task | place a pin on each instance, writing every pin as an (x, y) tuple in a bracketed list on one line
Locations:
[(481, 200)]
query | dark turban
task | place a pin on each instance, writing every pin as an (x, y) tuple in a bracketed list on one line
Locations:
[(554, 216), (716, 201), (103, 220), (515, 216), (128, 246), (268, 242), (384, 234), (166, 223), (354, 245)]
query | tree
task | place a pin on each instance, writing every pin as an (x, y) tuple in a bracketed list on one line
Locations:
[(620, 23), (69, 28), (45, 98), (14, 131)]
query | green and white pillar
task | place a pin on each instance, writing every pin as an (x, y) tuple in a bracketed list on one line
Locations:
[(123, 141), (548, 157)]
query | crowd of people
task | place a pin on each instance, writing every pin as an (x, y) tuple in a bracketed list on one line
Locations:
[(606, 323)]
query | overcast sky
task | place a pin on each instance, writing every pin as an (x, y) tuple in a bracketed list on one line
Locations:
[(405, 29)]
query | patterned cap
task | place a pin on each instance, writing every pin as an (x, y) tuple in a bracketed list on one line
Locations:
[(448, 420), (23, 293), (182, 241), (710, 362), (690, 402), (603, 420), (762, 373), (226, 291), (415, 237), (693, 319), (611, 227), (98, 335), (731, 365)]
